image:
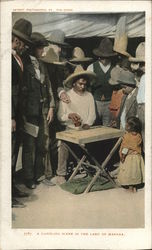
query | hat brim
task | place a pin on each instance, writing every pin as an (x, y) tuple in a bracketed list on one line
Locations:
[(111, 82), (125, 53), (135, 59), (47, 60), (22, 36), (59, 44), (40, 43), (98, 52), (81, 60), (131, 84), (68, 82)]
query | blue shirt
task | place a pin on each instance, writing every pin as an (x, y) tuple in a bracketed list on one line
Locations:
[(141, 91)]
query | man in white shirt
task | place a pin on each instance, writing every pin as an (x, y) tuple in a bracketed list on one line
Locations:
[(80, 112)]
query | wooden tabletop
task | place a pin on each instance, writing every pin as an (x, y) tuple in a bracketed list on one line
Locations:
[(93, 134)]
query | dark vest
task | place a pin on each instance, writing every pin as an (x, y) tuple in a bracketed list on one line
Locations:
[(102, 86)]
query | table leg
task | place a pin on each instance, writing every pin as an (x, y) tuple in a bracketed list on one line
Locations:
[(79, 161), (102, 167), (72, 153), (77, 167)]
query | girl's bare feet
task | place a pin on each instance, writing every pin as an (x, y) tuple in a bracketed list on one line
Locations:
[(134, 189)]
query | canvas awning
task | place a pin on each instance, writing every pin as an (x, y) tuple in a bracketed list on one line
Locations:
[(85, 25)]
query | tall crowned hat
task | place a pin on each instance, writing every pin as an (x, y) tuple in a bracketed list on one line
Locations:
[(57, 37), (105, 49), (121, 38), (39, 40), (79, 72), (78, 56), (140, 54), (23, 29)]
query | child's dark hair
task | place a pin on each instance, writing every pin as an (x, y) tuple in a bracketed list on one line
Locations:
[(134, 124)]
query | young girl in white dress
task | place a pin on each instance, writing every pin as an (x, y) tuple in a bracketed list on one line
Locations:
[(131, 171)]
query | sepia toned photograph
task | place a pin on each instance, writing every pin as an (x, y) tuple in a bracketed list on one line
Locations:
[(78, 142), (79, 117)]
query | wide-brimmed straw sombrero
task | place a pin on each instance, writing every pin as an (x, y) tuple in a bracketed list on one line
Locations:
[(78, 56), (140, 54), (79, 72), (121, 38), (52, 58)]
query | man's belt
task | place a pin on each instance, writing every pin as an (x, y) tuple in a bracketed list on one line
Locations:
[(106, 100)]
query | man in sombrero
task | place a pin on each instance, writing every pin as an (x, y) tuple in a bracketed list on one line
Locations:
[(56, 63), (21, 33), (79, 113), (102, 90), (38, 111)]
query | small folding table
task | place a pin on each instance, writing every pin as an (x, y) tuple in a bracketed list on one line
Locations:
[(83, 137)]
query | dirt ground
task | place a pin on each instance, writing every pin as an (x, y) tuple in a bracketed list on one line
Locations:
[(52, 207)]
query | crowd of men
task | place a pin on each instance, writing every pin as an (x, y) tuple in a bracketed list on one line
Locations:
[(51, 93)]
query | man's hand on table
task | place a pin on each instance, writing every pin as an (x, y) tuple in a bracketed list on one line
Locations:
[(76, 119), (85, 126)]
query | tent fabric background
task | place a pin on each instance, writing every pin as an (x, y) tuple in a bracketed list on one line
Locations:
[(83, 25)]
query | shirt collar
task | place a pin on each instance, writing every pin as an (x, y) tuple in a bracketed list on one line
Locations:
[(33, 58), (13, 52), (130, 94), (105, 68)]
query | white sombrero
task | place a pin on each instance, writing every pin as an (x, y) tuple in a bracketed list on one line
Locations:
[(121, 38), (140, 54), (79, 71), (78, 56), (52, 57)]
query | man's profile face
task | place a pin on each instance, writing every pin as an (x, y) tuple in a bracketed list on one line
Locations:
[(134, 66), (138, 67), (18, 45), (104, 61), (21, 47), (39, 51), (80, 85)]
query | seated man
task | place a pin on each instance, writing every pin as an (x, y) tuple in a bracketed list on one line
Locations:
[(80, 112)]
